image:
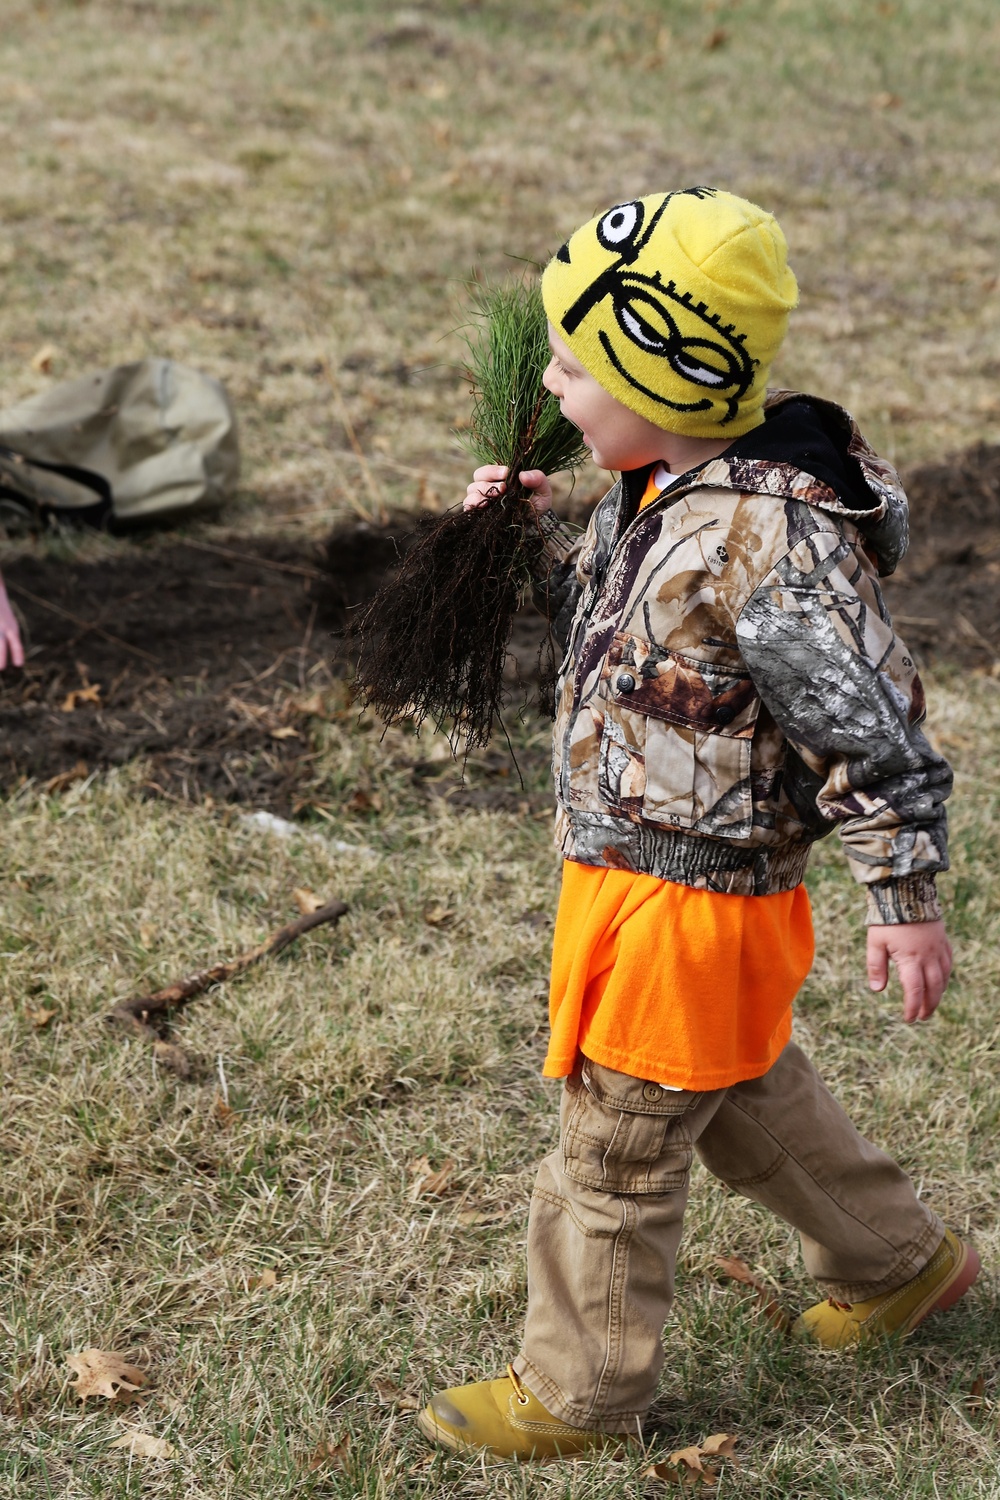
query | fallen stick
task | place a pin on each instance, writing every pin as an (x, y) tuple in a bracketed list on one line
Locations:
[(146, 1016), (257, 562), (86, 626)]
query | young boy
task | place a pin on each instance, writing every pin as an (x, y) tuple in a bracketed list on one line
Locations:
[(732, 689)]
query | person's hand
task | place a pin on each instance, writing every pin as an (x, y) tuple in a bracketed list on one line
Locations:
[(11, 650), (922, 955), (492, 477)]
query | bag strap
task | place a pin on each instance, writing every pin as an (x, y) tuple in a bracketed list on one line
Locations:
[(55, 490)]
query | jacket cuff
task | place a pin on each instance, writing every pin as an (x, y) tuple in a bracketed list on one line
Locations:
[(911, 898)]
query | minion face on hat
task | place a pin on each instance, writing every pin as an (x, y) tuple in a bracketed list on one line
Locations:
[(677, 304)]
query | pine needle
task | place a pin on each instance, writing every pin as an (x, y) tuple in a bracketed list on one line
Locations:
[(514, 420)]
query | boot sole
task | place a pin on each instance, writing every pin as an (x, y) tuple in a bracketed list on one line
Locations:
[(937, 1299), (941, 1298), (432, 1430)]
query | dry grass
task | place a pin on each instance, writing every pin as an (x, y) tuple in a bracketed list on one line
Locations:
[(257, 188), (136, 1211)]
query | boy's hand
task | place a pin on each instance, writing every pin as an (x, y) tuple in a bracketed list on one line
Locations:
[(922, 955), (11, 650), (493, 476)]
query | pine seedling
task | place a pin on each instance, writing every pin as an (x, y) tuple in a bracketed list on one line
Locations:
[(434, 639), (514, 420)]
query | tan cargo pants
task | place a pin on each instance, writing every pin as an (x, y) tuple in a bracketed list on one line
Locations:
[(608, 1208)]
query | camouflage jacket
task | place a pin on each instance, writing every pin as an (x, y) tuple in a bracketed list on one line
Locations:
[(733, 688)]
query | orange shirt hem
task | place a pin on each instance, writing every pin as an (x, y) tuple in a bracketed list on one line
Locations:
[(639, 1065)]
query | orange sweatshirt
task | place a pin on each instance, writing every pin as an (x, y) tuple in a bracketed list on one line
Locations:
[(691, 988)]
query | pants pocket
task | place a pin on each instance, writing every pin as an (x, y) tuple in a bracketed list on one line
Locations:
[(627, 1135)]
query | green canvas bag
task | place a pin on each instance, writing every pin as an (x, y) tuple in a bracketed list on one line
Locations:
[(160, 435)]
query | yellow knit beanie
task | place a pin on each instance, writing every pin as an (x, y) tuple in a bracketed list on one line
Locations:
[(677, 305)]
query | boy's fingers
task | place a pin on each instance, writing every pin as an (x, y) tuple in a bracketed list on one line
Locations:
[(11, 650), (934, 986), (478, 494), (911, 976), (490, 473), (538, 482), (924, 985), (878, 964)]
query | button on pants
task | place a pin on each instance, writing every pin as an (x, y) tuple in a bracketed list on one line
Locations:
[(608, 1208)]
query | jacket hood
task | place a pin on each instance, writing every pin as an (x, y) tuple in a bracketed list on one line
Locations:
[(811, 450)]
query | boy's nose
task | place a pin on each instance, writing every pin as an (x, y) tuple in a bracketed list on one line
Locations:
[(550, 379)]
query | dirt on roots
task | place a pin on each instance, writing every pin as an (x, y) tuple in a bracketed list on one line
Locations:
[(214, 660)]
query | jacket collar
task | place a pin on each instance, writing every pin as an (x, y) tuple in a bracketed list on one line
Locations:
[(808, 450)]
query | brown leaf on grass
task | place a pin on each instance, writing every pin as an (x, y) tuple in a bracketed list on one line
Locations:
[(688, 1476), (89, 694), (100, 1372), (886, 101), (720, 1445), (438, 916), (223, 1111), (306, 900), (144, 1445), (63, 779), (480, 1216), (689, 1457), (330, 1454), (685, 1467), (976, 1398), (265, 1280), (361, 801), (779, 1317), (716, 38), (737, 1269), (392, 1395), (43, 358), (427, 1183), (41, 1017), (312, 706)]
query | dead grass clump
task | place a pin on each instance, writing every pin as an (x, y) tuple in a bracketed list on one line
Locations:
[(263, 1240)]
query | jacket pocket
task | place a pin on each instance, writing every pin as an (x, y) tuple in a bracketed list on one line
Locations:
[(626, 1135), (676, 740)]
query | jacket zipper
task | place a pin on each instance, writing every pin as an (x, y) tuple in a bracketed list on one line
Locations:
[(584, 620)]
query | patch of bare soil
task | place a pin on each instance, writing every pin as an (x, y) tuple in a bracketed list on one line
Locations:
[(945, 597), (210, 659), (202, 659)]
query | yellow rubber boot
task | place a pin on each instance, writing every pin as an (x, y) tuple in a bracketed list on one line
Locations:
[(947, 1276), (505, 1419)]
